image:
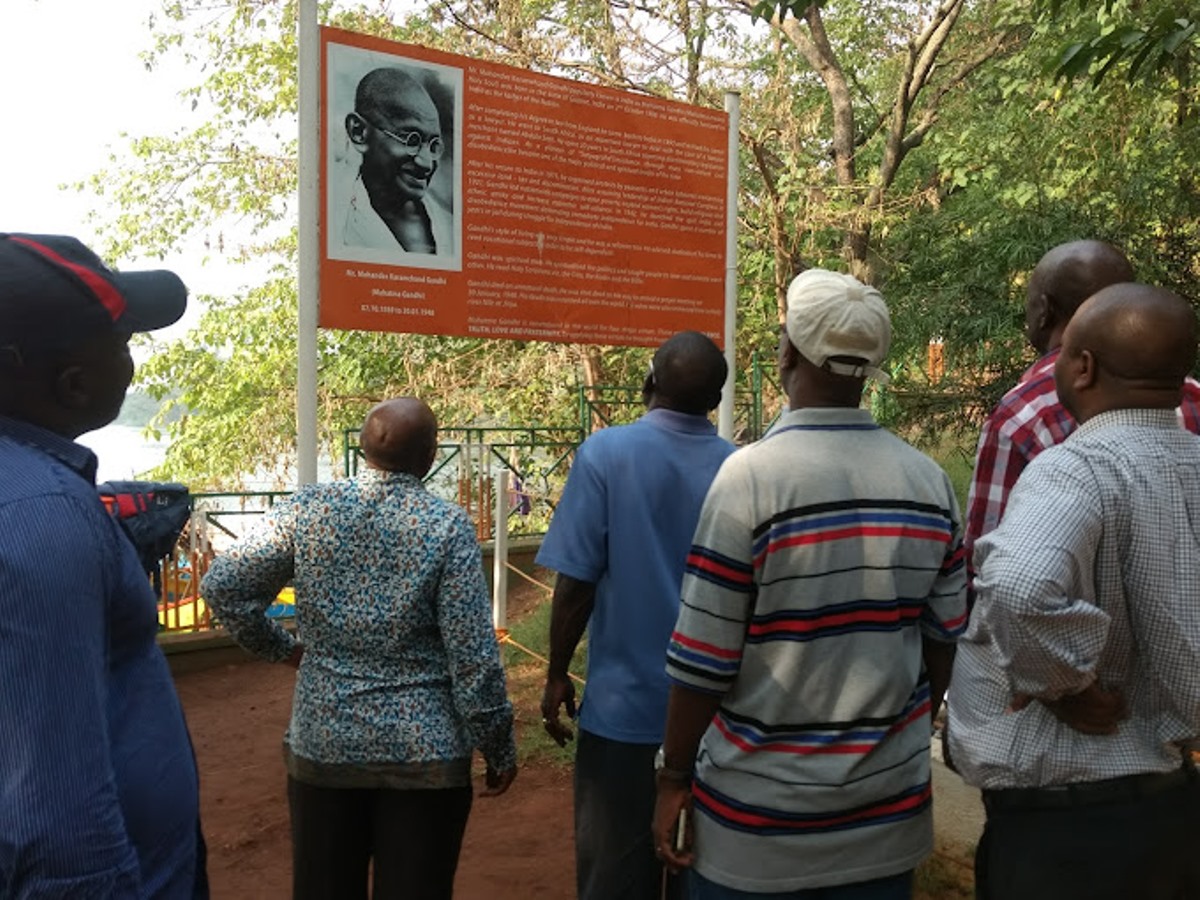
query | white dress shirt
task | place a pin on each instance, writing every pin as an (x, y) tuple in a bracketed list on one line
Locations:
[(1093, 574)]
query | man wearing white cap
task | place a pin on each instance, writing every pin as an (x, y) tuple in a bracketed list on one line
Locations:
[(98, 785), (824, 590)]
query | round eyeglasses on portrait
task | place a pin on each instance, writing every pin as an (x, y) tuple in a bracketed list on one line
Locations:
[(410, 141)]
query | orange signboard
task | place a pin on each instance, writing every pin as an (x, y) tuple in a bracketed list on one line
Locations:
[(468, 198)]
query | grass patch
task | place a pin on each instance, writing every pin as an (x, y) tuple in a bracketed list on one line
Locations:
[(959, 464), (949, 874), (956, 455), (527, 680)]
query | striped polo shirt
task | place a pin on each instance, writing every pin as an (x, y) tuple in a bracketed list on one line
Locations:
[(823, 554)]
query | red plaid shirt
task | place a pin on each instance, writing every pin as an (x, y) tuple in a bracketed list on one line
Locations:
[(1026, 421)]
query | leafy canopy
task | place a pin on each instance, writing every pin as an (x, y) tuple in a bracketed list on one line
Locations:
[(924, 145)]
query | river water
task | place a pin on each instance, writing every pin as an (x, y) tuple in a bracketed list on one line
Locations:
[(123, 452)]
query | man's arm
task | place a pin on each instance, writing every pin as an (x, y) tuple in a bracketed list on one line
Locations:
[(704, 656), (1049, 639), (62, 832), (1093, 710), (570, 610), (576, 547), (477, 675), (944, 618), (996, 470), (689, 713), (244, 581), (939, 662)]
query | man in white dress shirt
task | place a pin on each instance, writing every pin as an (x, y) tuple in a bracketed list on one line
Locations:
[(1088, 598)]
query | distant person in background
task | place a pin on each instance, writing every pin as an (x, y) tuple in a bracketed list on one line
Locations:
[(1077, 684), (1030, 418), (397, 129), (399, 672), (619, 540), (98, 784)]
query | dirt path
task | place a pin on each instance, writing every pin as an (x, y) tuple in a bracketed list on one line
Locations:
[(518, 846)]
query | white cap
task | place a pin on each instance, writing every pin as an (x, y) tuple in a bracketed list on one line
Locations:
[(830, 314)]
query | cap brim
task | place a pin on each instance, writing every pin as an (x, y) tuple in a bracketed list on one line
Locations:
[(153, 299)]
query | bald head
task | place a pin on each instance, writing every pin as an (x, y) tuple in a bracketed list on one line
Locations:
[(396, 127), (400, 436), (1065, 277), (688, 372), (389, 92), (1128, 346)]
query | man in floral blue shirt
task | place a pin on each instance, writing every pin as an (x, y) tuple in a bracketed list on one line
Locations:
[(399, 671)]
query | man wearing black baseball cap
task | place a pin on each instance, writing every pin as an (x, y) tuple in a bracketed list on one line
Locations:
[(98, 783)]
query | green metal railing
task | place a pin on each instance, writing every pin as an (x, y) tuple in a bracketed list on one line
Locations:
[(468, 460), (605, 405), (206, 501)]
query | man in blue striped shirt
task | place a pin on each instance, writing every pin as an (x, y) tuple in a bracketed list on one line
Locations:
[(823, 592), (98, 786)]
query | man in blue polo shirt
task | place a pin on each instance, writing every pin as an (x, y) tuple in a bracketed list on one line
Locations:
[(619, 542)]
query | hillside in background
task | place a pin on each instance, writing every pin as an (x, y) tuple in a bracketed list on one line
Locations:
[(137, 410)]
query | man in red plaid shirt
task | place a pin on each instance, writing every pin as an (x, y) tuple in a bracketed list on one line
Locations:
[(1029, 418)]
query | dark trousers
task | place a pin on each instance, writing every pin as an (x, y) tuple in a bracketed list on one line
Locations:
[(614, 807), (409, 839), (893, 887), (200, 884), (1116, 840)]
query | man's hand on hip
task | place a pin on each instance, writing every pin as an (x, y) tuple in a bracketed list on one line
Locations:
[(1094, 710)]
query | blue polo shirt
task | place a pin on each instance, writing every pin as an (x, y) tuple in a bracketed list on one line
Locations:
[(98, 787), (625, 523)]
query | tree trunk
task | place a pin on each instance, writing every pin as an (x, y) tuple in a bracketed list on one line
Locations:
[(593, 377)]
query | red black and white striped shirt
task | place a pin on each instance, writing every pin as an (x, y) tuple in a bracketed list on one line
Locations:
[(823, 555)]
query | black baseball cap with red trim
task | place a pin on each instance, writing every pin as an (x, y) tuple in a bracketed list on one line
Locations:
[(55, 291)]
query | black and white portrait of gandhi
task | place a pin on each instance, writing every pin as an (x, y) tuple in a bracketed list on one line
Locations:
[(394, 190)]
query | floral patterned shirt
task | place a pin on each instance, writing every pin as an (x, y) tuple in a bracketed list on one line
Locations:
[(401, 676)]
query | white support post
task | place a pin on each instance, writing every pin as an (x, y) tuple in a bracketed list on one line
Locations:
[(309, 250), (500, 554), (726, 409)]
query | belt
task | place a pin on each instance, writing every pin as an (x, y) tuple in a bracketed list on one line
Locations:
[(1125, 789)]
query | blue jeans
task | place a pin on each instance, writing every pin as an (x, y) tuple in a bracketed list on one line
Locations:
[(614, 806), (894, 887)]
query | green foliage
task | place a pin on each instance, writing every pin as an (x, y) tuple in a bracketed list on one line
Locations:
[(767, 9), (527, 678), (942, 184), (1027, 164), (137, 410), (223, 416), (1148, 39)]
